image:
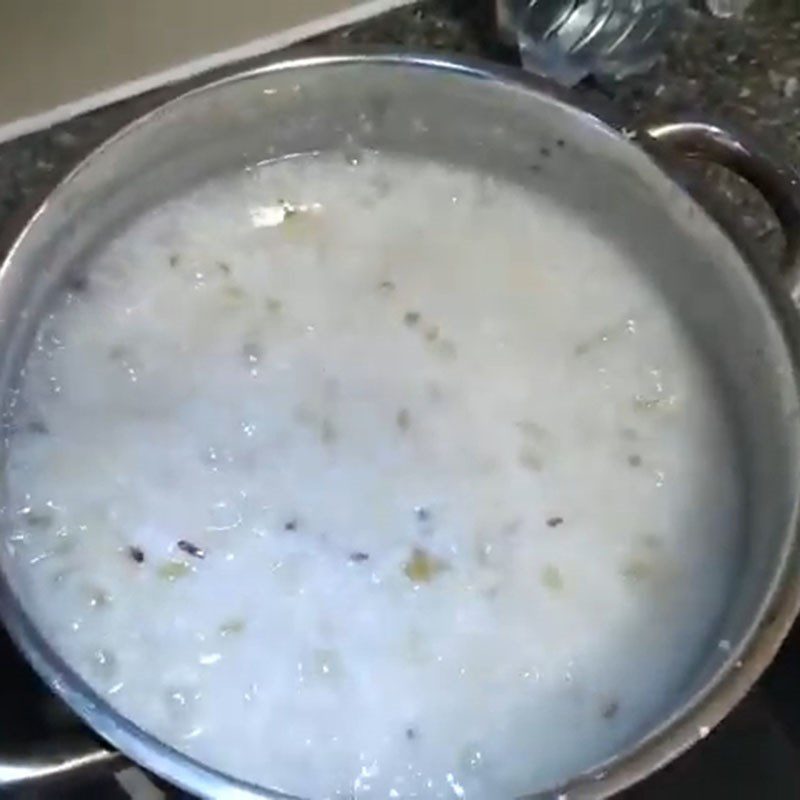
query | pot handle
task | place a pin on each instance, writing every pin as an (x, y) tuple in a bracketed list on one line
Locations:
[(772, 174), (72, 758)]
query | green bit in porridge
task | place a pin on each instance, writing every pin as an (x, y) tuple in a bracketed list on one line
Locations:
[(531, 430), (119, 353), (274, 306), (552, 578), (644, 403), (62, 575), (37, 520), (298, 222), (423, 567), (432, 333), (637, 569), (328, 433), (234, 295), (444, 348), (651, 542), (610, 709), (232, 626), (530, 459), (403, 419), (435, 392), (587, 346), (65, 544), (99, 598), (173, 570)]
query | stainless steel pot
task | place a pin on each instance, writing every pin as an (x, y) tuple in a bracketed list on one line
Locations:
[(512, 125)]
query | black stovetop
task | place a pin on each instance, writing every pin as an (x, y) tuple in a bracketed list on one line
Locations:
[(753, 755)]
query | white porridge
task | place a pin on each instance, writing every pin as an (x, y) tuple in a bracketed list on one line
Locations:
[(378, 480)]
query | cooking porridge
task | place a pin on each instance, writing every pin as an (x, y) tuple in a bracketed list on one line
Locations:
[(372, 478)]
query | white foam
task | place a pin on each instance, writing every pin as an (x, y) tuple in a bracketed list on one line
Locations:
[(463, 496)]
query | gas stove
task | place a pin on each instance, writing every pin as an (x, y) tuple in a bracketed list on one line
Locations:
[(753, 755)]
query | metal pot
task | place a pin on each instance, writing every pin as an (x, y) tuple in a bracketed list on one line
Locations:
[(512, 125)]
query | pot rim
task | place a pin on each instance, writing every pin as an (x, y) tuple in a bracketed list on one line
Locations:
[(676, 733)]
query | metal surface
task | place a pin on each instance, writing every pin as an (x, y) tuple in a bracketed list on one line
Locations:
[(68, 759), (514, 126), (769, 172)]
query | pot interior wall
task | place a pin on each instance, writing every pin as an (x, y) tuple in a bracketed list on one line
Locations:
[(599, 179)]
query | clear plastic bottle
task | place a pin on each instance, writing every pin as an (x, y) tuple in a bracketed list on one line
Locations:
[(569, 39)]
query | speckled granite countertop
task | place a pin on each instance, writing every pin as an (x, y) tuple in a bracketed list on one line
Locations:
[(747, 71)]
